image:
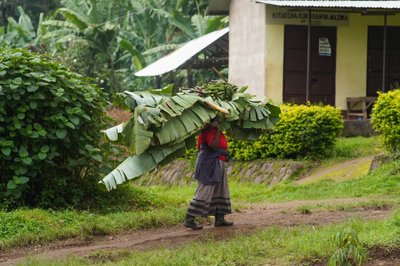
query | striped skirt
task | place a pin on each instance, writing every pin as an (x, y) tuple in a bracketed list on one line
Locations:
[(211, 199)]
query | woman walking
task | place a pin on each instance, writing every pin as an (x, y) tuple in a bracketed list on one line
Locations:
[(212, 194)]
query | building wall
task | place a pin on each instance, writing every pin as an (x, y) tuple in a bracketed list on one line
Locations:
[(351, 58), (274, 63), (247, 37)]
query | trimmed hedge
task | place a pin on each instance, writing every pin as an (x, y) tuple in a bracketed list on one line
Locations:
[(386, 119), (302, 131), (50, 121)]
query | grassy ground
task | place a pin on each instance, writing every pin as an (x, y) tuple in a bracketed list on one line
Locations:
[(167, 205), (23, 227), (383, 181), (346, 148)]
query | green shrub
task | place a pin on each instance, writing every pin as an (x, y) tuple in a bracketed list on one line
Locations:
[(49, 132), (302, 131), (386, 119), (243, 150)]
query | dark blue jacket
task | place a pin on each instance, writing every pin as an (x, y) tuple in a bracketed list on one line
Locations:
[(208, 169)]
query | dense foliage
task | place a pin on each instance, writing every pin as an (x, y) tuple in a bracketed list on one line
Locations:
[(386, 119), (50, 130), (8, 9), (108, 40), (302, 131)]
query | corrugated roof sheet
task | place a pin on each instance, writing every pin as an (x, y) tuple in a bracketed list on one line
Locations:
[(334, 4), (218, 7), (178, 57)]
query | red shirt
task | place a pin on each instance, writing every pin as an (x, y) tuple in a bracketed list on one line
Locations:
[(207, 136)]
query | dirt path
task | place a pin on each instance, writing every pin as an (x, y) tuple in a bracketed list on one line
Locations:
[(340, 171), (249, 220)]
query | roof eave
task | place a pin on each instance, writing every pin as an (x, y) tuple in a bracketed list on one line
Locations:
[(349, 6), (218, 7)]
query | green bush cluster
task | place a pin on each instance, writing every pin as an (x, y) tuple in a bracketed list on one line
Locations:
[(302, 131), (50, 121), (386, 119)]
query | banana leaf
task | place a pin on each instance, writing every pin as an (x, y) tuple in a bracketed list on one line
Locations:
[(138, 165), (114, 133), (163, 126)]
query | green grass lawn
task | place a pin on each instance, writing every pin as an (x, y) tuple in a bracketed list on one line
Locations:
[(354, 147)]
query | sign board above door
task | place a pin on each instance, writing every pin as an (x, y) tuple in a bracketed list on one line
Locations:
[(290, 17)]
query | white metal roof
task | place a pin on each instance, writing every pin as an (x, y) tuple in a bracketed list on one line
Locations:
[(334, 4), (181, 55)]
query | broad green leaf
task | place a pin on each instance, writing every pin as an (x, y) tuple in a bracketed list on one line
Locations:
[(260, 115), (11, 184), (61, 133), (42, 132), (21, 170), (138, 165), (187, 119), (252, 114), (184, 100), (42, 155), (143, 139), (37, 126), (20, 180), (142, 98), (6, 151), (113, 133), (32, 88), (97, 157), (23, 152), (74, 120), (33, 105), (27, 160), (21, 116), (45, 149)]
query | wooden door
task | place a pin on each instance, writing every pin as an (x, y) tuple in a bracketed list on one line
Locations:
[(375, 59), (323, 64)]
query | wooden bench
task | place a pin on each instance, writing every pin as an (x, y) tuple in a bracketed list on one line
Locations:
[(358, 107)]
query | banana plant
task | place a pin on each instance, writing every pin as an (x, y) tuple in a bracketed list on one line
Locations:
[(22, 33), (164, 126)]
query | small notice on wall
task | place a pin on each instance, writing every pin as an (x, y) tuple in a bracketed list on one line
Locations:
[(324, 47)]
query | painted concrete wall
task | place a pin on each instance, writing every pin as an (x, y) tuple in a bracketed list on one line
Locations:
[(351, 58), (247, 45), (274, 63)]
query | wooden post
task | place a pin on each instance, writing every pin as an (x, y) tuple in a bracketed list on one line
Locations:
[(308, 56), (189, 77), (158, 82), (219, 74), (384, 53)]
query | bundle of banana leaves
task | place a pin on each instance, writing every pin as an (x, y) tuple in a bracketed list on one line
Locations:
[(164, 125)]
